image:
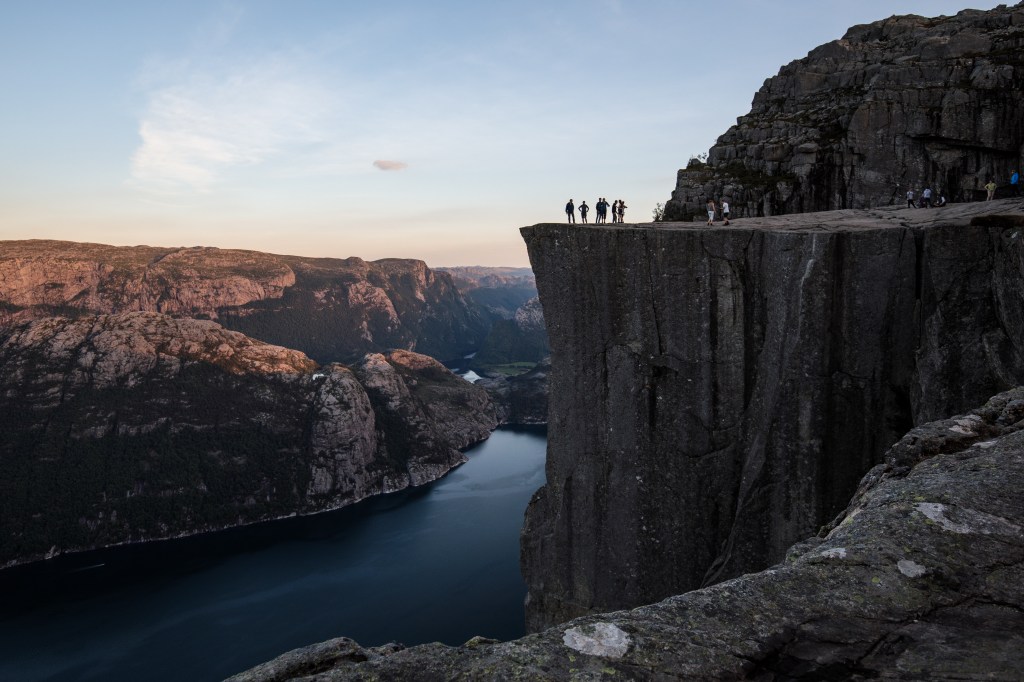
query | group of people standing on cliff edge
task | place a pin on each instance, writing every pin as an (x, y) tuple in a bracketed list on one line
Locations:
[(618, 211), (713, 210)]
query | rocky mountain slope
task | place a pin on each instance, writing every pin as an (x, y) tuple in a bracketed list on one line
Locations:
[(716, 394), (501, 291), (137, 426), (330, 309), (521, 338), (920, 578), (904, 103)]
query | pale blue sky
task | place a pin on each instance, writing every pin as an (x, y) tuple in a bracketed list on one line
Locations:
[(257, 124)]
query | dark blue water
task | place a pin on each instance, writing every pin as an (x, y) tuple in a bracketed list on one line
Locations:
[(438, 563)]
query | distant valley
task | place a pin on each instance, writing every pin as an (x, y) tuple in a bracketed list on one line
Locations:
[(153, 392)]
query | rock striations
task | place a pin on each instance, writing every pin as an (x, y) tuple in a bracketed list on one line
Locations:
[(904, 103), (918, 579), (330, 309), (139, 426), (716, 394)]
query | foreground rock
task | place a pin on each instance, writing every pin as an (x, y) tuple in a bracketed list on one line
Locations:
[(921, 578), (904, 103), (140, 426), (717, 394), (330, 309)]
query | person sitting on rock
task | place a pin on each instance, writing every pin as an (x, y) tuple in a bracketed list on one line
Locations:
[(941, 201)]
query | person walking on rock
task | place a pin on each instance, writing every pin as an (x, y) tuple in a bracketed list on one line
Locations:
[(583, 211), (991, 189), (1015, 184), (570, 212), (926, 198), (725, 210), (711, 211), (910, 199)]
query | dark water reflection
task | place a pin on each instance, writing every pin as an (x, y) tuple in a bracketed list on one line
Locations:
[(439, 563)]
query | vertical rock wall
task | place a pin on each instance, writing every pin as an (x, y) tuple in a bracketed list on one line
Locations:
[(717, 394)]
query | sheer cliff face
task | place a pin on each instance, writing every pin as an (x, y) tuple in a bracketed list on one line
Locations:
[(716, 394), (331, 309), (904, 103), (139, 426)]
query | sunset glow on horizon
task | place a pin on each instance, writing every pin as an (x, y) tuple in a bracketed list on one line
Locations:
[(392, 129)]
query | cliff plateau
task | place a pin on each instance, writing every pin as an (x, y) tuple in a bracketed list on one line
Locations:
[(716, 394), (140, 426), (904, 103)]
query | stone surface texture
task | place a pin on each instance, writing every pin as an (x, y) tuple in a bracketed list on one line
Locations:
[(330, 309), (920, 578), (717, 394), (904, 103), (139, 426)]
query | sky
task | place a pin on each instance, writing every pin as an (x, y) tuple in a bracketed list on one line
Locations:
[(375, 129)]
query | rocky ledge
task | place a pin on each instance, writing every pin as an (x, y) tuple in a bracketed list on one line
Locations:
[(139, 426), (920, 578)]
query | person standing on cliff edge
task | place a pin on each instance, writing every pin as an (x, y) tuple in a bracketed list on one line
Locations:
[(725, 210), (991, 189), (570, 212), (910, 199), (1015, 184), (711, 211), (583, 211)]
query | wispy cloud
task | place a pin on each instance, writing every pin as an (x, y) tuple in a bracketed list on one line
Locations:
[(201, 123), (385, 165)]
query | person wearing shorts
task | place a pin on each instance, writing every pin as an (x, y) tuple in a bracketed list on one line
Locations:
[(725, 211), (711, 211)]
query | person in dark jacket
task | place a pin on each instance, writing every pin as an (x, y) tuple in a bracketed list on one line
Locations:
[(570, 212)]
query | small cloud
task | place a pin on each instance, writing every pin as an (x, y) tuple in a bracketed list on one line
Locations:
[(390, 165)]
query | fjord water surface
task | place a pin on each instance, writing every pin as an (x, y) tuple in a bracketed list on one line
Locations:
[(435, 563)]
